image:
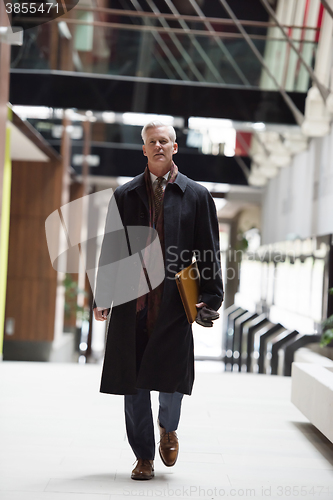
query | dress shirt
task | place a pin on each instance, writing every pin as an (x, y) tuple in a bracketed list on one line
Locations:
[(154, 180)]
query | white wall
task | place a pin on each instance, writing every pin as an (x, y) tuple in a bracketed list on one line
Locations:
[(299, 201)]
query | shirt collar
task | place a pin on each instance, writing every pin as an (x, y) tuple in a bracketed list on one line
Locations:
[(154, 177)]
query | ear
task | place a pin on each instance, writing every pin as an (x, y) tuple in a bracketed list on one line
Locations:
[(144, 150), (175, 148)]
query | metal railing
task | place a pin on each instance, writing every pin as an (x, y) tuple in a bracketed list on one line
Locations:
[(158, 46)]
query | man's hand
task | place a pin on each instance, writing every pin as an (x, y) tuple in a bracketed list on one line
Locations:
[(100, 313), (206, 315)]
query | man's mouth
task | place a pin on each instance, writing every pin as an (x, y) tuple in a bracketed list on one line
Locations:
[(159, 154)]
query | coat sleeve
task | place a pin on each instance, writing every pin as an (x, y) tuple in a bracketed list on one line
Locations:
[(207, 249)]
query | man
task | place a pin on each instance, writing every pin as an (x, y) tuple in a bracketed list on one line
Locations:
[(150, 344)]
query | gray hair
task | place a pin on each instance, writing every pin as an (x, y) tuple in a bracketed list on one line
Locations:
[(154, 124)]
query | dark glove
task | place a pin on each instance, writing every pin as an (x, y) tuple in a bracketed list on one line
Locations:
[(206, 316)]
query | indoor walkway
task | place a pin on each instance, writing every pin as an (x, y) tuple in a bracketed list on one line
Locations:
[(240, 436)]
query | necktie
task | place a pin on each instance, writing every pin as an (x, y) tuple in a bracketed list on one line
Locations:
[(158, 195)]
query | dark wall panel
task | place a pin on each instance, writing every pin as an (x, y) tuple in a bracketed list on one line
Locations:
[(101, 94), (199, 167)]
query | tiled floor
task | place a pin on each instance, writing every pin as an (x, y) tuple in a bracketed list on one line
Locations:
[(240, 437)]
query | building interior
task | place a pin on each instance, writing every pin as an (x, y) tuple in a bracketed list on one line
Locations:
[(248, 87)]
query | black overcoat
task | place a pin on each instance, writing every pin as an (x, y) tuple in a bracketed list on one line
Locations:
[(190, 224)]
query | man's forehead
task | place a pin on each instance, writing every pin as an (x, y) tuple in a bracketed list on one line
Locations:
[(157, 132)]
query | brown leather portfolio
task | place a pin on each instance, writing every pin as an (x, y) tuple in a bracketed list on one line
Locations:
[(188, 285)]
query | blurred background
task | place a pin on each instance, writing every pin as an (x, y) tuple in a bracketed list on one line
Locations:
[(247, 86)]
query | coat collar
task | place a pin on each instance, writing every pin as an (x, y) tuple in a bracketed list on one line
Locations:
[(181, 181), (139, 182), (135, 183)]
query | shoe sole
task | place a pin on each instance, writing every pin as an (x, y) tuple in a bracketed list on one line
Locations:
[(141, 478)]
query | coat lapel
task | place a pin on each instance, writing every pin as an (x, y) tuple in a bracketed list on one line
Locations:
[(138, 184), (172, 210)]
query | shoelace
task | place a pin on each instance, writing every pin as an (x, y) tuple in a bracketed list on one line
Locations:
[(168, 434), (143, 461)]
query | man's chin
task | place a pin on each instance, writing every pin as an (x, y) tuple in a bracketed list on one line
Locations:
[(159, 159)]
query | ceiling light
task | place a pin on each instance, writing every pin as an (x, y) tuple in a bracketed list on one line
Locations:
[(109, 116), (199, 123), (74, 115), (39, 112), (92, 160), (258, 126), (229, 150), (75, 131), (141, 119)]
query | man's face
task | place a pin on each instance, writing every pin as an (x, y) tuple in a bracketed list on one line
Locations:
[(159, 148)]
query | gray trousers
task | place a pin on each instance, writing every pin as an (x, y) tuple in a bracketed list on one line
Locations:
[(139, 419), (138, 414)]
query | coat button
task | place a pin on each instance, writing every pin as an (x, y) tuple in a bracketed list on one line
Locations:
[(142, 215)]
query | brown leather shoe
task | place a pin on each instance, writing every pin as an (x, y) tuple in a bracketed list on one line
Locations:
[(144, 469), (169, 446)]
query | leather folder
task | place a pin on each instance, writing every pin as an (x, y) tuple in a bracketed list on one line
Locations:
[(188, 285)]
